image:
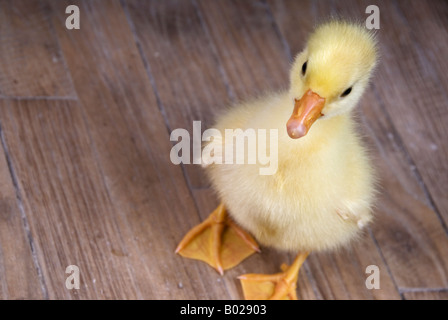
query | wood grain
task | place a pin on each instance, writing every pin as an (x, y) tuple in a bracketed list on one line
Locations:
[(424, 92), (153, 204), (19, 275), (182, 63), (248, 46), (31, 64), (71, 219)]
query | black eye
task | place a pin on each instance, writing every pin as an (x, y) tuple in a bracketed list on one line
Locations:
[(346, 92), (304, 68)]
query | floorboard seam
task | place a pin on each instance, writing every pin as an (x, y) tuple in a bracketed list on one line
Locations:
[(64, 60), (277, 31), (416, 172), (158, 101), (230, 92), (156, 94), (389, 271), (24, 218), (399, 143)]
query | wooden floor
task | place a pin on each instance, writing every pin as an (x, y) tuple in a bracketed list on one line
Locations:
[(85, 172)]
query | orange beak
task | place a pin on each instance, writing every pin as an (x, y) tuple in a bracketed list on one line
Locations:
[(306, 111)]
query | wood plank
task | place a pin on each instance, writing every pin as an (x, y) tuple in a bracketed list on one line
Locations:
[(153, 204), (19, 278), (421, 119), (301, 27), (225, 24), (182, 62), (31, 63), (71, 219), (426, 295), (411, 238), (429, 35), (252, 54), (342, 275)]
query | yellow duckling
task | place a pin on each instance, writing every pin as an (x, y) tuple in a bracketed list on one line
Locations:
[(320, 197)]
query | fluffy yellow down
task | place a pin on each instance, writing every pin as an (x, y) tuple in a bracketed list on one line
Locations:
[(322, 193)]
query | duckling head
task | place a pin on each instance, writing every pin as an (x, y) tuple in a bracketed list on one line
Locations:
[(330, 75)]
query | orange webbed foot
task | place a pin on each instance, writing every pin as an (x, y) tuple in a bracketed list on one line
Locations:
[(279, 286), (218, 241)]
